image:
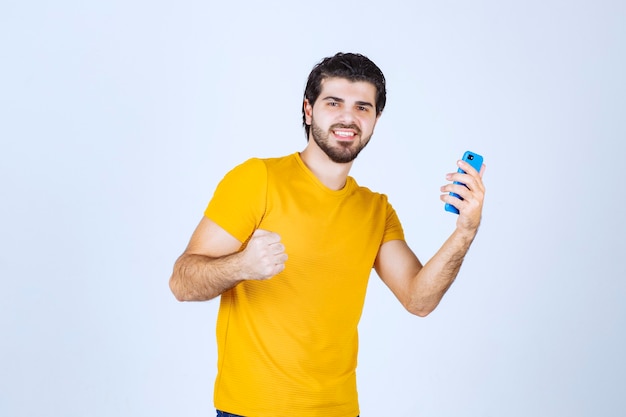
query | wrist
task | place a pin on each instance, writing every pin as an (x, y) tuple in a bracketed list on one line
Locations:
[(466, 235)]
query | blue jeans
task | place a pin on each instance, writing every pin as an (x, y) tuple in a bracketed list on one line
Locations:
[(224, 414)]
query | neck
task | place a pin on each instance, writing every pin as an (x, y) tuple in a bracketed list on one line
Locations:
[(331, 174)]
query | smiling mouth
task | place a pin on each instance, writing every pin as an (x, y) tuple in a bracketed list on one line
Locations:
[(342, 134), (345, 132)]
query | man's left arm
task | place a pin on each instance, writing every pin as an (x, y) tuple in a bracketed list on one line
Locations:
[(419, 287)]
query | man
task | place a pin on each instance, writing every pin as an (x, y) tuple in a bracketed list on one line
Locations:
[(289, 244)]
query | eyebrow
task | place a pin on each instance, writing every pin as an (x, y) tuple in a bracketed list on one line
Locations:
[(358, 103)]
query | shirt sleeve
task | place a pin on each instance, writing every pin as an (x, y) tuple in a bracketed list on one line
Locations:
[(239, 201), (393, 227)]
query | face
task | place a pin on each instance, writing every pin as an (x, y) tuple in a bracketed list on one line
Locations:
[(343, 118)]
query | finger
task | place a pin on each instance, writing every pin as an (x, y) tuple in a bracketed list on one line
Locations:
[(277, 248), (471, 171), (472, 181), (462, 177), (472, 190), (482, 170), (460, 182), (458, 189), (277, 267), (267, 236), (466, 167), (452, 200), (467, 199)]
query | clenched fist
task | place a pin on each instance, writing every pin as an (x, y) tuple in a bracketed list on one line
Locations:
[(264, 256)]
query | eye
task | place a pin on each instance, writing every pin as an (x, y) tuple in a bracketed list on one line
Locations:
[(333, 103)]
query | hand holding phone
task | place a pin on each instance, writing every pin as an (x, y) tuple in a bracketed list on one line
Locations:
[(476, 161)]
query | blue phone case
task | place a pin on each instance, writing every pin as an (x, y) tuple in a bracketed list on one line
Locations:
[(476, 161)]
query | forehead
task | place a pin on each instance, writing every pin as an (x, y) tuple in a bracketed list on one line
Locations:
[(347, 89)]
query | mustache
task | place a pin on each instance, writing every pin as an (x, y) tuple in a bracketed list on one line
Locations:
[(345, 126)]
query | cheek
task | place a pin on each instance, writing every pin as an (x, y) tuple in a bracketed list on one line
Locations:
[(368, 125)]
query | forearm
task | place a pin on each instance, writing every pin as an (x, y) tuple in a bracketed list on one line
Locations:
[(201, 278), (435, 278)]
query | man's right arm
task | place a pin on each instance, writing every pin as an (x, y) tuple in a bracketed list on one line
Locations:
[(214, 262)]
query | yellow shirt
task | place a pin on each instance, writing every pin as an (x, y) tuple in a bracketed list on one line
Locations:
[(287, 346)]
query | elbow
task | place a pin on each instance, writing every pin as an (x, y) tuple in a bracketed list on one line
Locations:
[(184, 292), (420, 308), (180, 297), (179, 294), (419, 312), (178, 285)]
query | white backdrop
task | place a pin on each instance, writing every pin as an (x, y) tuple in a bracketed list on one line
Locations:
[(118, 118)]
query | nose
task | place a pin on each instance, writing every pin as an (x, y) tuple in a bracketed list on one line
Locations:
[(347, 115)]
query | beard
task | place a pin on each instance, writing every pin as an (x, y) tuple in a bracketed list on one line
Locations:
[(341, 152)]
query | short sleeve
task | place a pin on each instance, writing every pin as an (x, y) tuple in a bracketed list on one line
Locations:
[(239, 201), (393, 227)]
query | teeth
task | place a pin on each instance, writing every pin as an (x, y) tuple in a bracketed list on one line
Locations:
[(344, 134)]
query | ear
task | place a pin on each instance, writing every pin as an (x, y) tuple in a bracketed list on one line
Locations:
[(308, 111)]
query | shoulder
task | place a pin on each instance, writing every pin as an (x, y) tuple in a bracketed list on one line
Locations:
[(254, 173), (367, 194), (254, 165), (252, 170), (250, 166)]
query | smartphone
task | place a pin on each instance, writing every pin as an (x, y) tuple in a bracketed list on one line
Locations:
[(476, 161)]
